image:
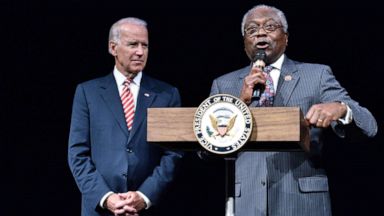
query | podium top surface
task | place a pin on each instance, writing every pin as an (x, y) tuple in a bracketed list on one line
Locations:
[(281, 126)]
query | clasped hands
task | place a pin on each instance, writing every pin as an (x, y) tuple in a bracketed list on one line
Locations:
[(125, 204)]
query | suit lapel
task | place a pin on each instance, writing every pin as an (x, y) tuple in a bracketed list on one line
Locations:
[(287, 82), (144, 100), (111, 97)]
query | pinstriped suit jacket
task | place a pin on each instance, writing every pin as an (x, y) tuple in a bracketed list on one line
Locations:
[(291, 183)]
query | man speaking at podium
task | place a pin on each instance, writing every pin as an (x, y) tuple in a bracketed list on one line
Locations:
[(287, 183)]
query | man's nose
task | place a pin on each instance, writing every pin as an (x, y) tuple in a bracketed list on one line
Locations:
[(261, 31), (140, 50)]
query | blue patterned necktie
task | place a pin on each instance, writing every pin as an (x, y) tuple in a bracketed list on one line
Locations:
[(266, 98)]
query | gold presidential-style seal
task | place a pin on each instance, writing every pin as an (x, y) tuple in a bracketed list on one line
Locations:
[(222, 124)]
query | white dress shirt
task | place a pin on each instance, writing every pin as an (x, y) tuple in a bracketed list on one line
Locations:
[(134, 86)]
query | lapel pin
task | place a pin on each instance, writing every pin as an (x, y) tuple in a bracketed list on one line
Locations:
[(146, 94), (288, 78)]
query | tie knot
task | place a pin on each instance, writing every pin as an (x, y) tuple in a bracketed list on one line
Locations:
[(268, 69), (127, 82)]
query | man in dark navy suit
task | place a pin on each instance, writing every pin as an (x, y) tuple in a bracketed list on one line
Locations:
[(116, 170)]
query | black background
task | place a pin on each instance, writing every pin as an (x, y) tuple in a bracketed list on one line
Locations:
[(51, 46)]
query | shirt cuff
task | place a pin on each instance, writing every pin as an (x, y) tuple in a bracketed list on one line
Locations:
[(146, 200), (104, 198), (348, 116)]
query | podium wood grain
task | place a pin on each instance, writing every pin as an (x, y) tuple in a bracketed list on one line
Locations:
[(274, 128)]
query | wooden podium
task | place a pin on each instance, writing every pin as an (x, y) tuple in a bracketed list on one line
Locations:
[(274, 129)]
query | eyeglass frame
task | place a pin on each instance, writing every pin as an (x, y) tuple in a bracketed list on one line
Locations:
[(258, 27)]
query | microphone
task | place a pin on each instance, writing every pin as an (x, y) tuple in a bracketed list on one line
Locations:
[(259, 62)]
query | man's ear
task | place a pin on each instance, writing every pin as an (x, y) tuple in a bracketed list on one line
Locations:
[(112, 47), (286, 38)]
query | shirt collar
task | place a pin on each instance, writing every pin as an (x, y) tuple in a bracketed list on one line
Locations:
[(120, 78), (279, 63)]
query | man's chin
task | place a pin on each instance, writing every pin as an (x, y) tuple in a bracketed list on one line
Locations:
[(136, 70)]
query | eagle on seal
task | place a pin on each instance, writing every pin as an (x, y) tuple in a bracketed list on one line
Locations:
[(223, 127)]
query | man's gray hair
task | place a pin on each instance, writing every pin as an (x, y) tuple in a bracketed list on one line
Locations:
[(114, 32), (279, 13)]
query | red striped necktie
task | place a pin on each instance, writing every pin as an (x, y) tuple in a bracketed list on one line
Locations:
[(128, 103)]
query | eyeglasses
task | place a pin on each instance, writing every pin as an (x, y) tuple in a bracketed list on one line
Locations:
[(267, 27)]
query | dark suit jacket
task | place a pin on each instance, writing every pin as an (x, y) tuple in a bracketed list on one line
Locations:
[(104, 156), (292, 183)]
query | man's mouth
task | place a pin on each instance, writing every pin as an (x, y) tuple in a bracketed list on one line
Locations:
[(262, 45)]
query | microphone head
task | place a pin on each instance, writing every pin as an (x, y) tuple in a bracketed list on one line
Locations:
[(260, 55)]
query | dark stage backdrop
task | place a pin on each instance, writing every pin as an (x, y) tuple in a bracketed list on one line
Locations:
[(51, 46)]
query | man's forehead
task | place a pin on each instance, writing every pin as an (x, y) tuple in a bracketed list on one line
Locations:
[(262, 14)]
